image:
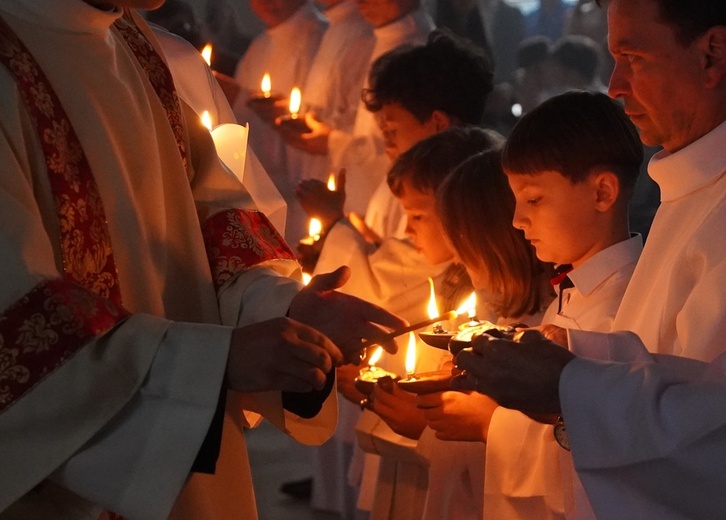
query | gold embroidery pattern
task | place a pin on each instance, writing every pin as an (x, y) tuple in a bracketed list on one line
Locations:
[(158, 74), (85, 241), (236, 240), (44, 329)]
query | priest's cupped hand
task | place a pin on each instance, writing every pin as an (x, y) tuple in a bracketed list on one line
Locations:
[(521, 373), (280, 354), (343, 318)]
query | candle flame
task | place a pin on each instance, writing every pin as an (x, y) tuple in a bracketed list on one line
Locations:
[(295, 101), (206, 119), (373, 359), (432, 308), (469, 306), (411, 355), (266, 85), (306, 278), (207, 54), (315, 228), (331, 182)]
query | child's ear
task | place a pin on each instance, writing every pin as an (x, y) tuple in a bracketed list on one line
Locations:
[(607, 189), (440, 120)]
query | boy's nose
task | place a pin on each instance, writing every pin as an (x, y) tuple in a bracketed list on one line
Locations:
[(519, 221)]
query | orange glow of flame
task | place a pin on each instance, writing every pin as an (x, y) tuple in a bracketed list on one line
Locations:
[(206, 119), (207, 53), (373, 359), (468, 307), (266, 85), (295, 101), (432, 308), (315, 228), (331, 182), (411, 355), (306, 278)]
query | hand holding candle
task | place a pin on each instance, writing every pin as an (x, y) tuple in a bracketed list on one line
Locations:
[(266, 104), (293, 122)]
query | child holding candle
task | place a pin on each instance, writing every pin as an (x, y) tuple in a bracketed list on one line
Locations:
[(572, 164), (476, 208), (399, 488)]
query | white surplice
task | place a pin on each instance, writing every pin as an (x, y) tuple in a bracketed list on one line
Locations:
[(286, 53), (362, 152), (122, 439), (528, 475), (675, 300), (647, 431), (332, 88)]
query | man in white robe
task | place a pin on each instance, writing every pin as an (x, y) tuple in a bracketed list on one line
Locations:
[(675, 300), (285, 51), (124, 434)]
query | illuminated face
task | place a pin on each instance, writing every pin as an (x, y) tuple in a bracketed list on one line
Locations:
[(274, 12), (382, 12), (401, 130), (557, 216), (659, 80), (423, 224)]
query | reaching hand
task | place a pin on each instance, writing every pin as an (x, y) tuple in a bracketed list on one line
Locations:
[(318, 201), (523, 375), (345, 319), (345, 379), (314, 142), (458, 416), (279, 354), (398, 409)]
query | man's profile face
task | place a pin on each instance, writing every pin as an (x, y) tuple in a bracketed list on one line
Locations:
[(655, 75)]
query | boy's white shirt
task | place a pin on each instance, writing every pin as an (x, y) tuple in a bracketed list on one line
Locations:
[(524, 463)]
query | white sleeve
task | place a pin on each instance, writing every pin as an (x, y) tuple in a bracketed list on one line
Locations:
[(137, 463), (648, 436)]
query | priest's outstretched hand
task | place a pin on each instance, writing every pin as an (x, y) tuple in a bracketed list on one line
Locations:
[(522, 374), (280, 354), (343, 318)]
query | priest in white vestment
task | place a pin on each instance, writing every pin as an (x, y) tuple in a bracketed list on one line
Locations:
[(127, 309)]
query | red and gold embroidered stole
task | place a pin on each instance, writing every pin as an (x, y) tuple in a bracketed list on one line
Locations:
[(58, 317)]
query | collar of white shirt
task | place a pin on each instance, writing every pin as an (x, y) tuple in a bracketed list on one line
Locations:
[(596, 269), (682, 172)]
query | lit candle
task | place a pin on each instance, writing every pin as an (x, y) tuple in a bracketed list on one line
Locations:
[(266, 85), (373, 359), (295, 102), (331, 182), (207, 54), (207, 120), (315, 229), (469, 307), (432, 308), (306, 278), (411, 356)]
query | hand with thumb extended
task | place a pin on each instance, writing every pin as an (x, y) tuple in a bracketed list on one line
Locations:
[(345, 319)]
